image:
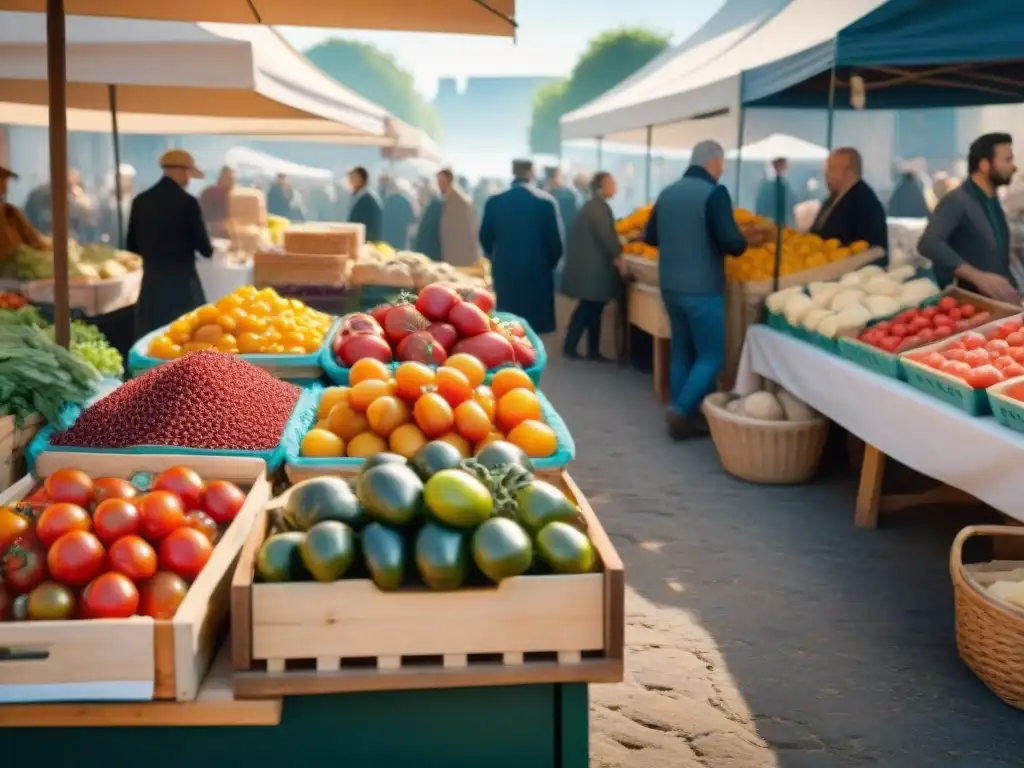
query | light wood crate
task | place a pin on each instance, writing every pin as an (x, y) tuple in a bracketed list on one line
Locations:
[(644, 271), (93, 297), (325, 239), (134, 659), (13, 442), (277, 268), (647, 311), (312, 638)]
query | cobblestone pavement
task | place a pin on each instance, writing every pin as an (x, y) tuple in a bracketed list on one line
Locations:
[(763, 628)]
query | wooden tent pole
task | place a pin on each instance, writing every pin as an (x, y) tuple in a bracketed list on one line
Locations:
[(56, 71)]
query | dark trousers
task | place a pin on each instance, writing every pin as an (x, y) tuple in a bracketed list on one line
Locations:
[(586, 317)]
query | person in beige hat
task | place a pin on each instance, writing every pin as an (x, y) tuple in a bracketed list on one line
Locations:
[(15, 229), (166, 228)]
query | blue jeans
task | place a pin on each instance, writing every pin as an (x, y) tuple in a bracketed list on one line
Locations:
[(698, 347)]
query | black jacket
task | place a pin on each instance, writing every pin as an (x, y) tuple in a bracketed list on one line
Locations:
[(366, 210), (859, 215)]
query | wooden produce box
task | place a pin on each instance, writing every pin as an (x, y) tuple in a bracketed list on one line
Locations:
[(647, 312), (93, 297), (247, 206), (13, 442), (277, 268), (134, 659), (325, 239), (314, 638)]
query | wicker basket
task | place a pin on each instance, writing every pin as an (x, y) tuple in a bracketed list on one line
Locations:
[(989, 631), (768, 452)]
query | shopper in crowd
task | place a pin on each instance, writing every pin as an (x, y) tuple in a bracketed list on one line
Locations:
[(458, 223), (215, 203), (166, 229), (568, 202), (37, 208), (775, 196), (852, 212), (83, 212), (366, 208), (281, 197), (581, 186), (399, 213), (692, 225), (593, 268), (114, 212), (320, 203), (908, 199), (15, 228), (428, 232), (967, 238), (521, 234)]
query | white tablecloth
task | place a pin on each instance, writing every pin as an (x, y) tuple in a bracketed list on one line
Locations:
[(219, 278), (976, 455)]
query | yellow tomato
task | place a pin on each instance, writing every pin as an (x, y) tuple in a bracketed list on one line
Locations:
[(226, 303), (207, 314), (251, 324), (227, 323), (249, 343), (179, 335), (195, 346), (226, 343), (259, 308), (161, 347)]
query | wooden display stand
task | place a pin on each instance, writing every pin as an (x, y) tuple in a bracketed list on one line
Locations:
[(13, 442), (646, 311)]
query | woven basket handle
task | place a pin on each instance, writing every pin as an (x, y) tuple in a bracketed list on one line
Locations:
[(956, 551)]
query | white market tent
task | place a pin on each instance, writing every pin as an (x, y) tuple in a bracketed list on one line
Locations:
[(703, 96), (216, 74), (255, 163), (779, 145)]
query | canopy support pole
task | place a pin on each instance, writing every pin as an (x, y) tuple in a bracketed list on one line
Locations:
[(831, 106), (112, 92), (56, 73), (600, 152), (647, 162), (739, 153)]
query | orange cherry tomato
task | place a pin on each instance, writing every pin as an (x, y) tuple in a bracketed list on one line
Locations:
[(386, 414), (433, 415), (507, 379), (412, 379), (471, 421), (469, 365), (485, 398), (365, 392), (516, 407), (453, 385)]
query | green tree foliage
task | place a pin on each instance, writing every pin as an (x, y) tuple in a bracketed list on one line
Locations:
[(610, 58), (375, 75)]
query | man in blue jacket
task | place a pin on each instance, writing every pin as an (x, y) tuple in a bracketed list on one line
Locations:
[(692, 225), (366, 208), (521, 233)]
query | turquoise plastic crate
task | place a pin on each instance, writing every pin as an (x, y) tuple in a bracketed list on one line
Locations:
[(1008, 412), (872, 358), (946, 388), (338, 374), (295, 428), (139, 362), (560, 459)]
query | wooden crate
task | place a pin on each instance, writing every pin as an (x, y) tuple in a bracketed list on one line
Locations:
[(325, 239), (93, 297), (311, 638), (277, 268), (647, 312), (134, 659), (13, 442)]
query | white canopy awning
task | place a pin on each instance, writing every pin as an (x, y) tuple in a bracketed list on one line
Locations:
[(780, 145), (253, 162), (671, 94), (220, 73)]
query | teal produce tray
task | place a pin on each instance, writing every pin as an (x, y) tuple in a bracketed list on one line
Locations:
[(947, 388), (779, 323), (302, 416), (1007, 411), (288, 367), (338, 374), (872, 358), (292, 441)]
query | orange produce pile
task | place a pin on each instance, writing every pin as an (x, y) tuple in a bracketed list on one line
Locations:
[(402, 413)]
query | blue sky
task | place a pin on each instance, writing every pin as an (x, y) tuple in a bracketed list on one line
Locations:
[(552, 34)]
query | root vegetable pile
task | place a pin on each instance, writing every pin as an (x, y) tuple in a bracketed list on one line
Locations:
[(204, 400)]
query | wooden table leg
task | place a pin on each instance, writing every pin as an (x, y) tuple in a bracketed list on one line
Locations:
[(869, 495), (662, 353)]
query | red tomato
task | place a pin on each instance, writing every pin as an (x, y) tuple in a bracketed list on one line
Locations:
[(110, 596), (890, 343), (436, 301), (468, 319), (934, 360), (942, 332), (183, 481), (70, 485), (910, 342), (883, 326), (76, 558), (956, 368), (492, 349), (379, 312), (1015, 339), (160, 512), (1003, 361), (943, 320), (421, 347), (1013, 370), (362, 345), (1017, 353), (1012, 325), (929, 312), (445, 334), (997, 347), (955, 314), (203, 523), (524, 354), (24, 565), (872, 336), (59, 519), (162, 595), (481, 298), (984, 377), (967, 311), (113, 488), (955, 353), (402, 321), (907, 317), (185, 552), (115, 518), (980, 318), (899, 329), (919, 323), (973, 341), (132, 556), (222, 501), (359, 323), (977, 357), (947, 303)]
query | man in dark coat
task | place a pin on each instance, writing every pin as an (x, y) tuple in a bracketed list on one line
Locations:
[(775, 195), (428, 233), (907, 199), (593, 268), (281, 197), (165, 227), (568, 202), (852, 211), (521, 234), (398, 215), (366, 209)]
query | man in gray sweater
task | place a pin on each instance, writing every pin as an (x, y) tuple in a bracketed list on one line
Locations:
[(967, 238)]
